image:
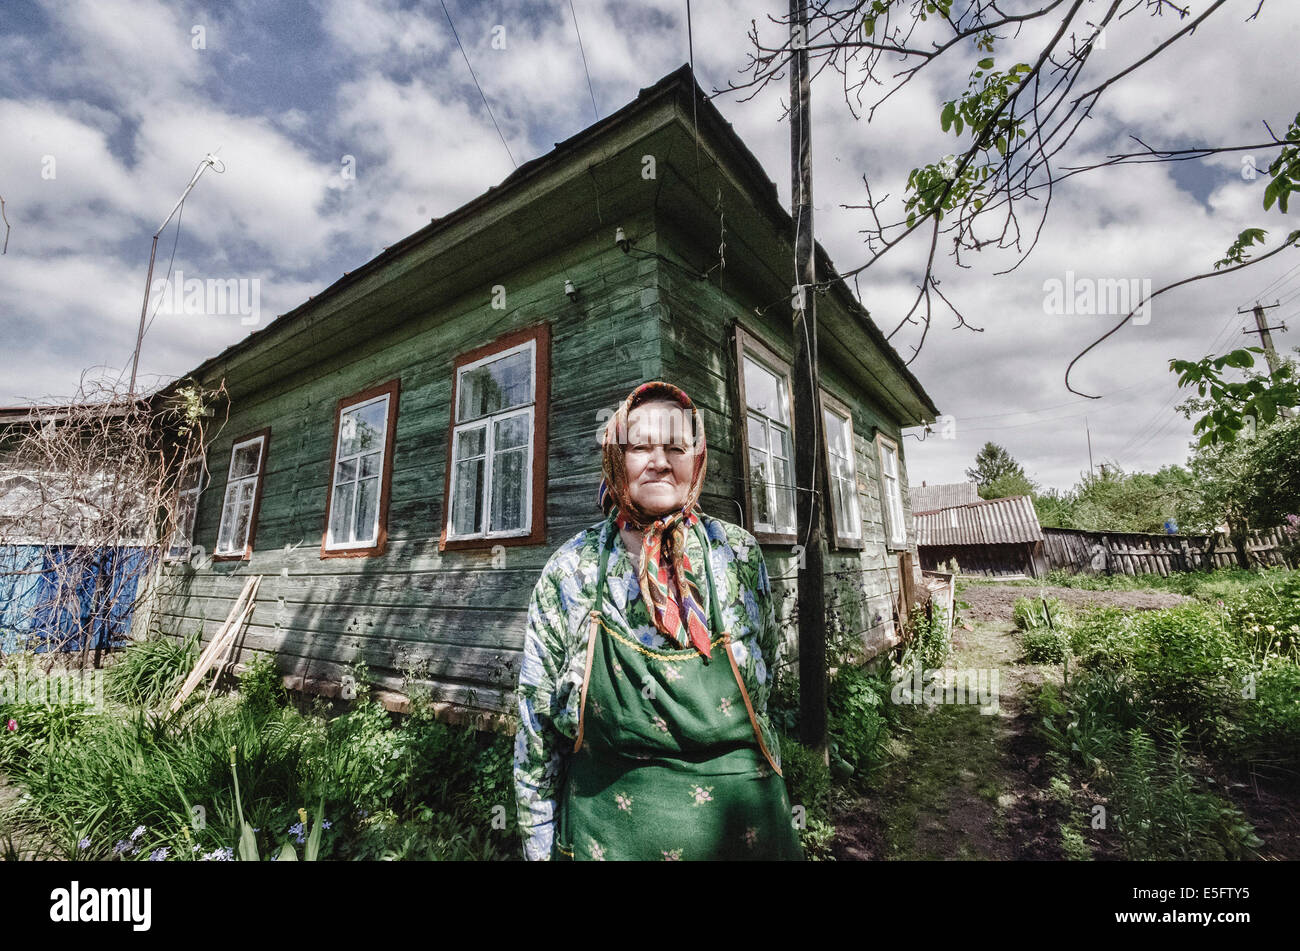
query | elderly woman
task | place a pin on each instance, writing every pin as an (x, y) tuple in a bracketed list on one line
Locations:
[(643, 693)]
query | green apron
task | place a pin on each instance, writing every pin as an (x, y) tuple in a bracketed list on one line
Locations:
[(667, 763)]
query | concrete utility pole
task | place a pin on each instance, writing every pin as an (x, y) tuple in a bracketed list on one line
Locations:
[(1262, 328), (807, 412)]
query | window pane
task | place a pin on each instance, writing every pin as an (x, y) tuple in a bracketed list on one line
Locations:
[(758, 486), (243, 516), (192, 474), (370, 464), (507, 490), (757, 434), (341, 512), (365, 526), (345, 471), (780, 443), (494, 386), (467, 509), (765, 391), (510, 433), (471, 442), (228, 507), (245, 459), (363, 429), (783, 495), (890, 461)]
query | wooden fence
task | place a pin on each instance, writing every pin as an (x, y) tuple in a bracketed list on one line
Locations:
[(1131, 553)]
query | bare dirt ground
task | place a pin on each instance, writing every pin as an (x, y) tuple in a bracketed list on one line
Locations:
[(993, 602)]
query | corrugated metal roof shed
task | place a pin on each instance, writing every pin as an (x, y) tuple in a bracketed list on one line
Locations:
[(990, 522), (928, 498)]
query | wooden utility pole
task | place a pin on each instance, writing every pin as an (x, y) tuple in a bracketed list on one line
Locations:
[(807, 415), (1262, 328)]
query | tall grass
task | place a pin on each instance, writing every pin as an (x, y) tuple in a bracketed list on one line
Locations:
[(127, 783)]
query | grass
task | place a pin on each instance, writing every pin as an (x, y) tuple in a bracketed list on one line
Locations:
[(127, 783), (1160, 700)]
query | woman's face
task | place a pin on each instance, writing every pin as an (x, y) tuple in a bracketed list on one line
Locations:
[(660, 456)]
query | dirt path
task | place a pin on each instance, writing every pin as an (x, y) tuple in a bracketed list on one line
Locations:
[(963, 784)]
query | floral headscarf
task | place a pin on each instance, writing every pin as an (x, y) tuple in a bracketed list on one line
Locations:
[(663, 564)]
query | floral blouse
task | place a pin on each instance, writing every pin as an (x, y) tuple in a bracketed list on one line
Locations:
[(556, 642)]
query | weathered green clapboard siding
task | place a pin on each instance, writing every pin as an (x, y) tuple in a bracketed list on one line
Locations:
[(457, 618)]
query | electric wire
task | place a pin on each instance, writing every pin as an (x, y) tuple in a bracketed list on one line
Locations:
[(472, 76)]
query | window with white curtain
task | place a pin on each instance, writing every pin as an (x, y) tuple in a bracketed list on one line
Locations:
[(360, 474), (493, 430), (891, 495), (189, 486), (841, 465), (239, 507)]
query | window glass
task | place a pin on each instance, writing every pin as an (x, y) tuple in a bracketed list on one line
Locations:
[(492, 445), (358, 469), (499, 384), (771, 475), (843, 475), (246, 462)]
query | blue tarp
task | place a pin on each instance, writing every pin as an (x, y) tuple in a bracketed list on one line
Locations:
[(36, 615)]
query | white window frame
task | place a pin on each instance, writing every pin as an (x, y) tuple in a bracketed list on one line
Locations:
[(891, 494), (834, 412), (187, 512), (235, 485), (488, 424), (372, 540), (748, 352)]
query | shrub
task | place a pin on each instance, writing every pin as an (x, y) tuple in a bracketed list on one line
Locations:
[(150, 672), (1043, 646), (857, 720), (1268, 725), (928, 637), (261, 688), (1029, 613), (807, 778)]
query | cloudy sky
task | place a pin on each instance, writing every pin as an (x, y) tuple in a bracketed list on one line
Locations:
[(344, 125)]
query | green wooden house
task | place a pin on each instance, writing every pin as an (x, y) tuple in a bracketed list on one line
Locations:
[(406, 449)]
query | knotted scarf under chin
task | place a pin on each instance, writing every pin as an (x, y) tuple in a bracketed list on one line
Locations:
[(663, 564)]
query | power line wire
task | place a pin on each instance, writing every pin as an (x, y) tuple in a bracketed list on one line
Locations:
[(472, 76), (590, 88)]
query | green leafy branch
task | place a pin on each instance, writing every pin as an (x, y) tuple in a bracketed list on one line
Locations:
[(1236, 406)]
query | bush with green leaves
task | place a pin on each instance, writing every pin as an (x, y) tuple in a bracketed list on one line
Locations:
[(1030, 613), (808, 783), (928, 637), (128, 783), (857, 721), (1043, 646)]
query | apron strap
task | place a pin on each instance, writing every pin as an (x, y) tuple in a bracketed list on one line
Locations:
[(607, 543), (714, 611)]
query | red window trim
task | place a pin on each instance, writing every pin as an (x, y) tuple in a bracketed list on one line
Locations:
[(265, 435), (541, 333)]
